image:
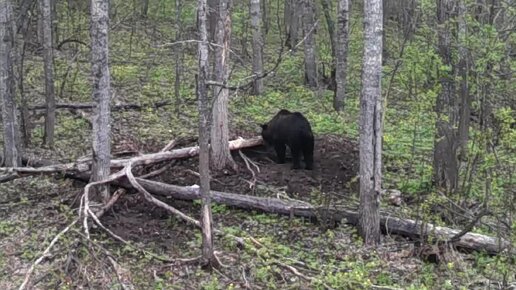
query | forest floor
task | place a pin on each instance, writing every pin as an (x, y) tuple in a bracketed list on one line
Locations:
[(279, 252)]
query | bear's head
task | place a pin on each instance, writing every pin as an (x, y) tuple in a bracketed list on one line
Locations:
[(266, 134)]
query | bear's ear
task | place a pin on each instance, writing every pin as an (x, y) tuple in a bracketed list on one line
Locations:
[(264, 126)]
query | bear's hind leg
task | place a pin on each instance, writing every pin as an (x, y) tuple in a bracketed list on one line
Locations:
[(308, 154), (280, 152), (296, 157)]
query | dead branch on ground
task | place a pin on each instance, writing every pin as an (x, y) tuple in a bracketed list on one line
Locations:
[(84, 165), (90, 106)]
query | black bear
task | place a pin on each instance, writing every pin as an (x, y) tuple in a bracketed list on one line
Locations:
[(292, 129)]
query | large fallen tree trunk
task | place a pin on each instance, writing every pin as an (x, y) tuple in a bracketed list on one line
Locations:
[(11, 173), (391, 225), (89, 106)]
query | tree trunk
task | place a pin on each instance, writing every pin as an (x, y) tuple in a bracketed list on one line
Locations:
[(145, 8), (208, 256), (311, 78), (220, 154), (178, 57), (446, 170), (48, 55), (11, 134), (257, 46), (292, 17), (212, 14), (341, 54), (463, 69), (23, 28), (370, 124), (101, 94), (327, 8), (265, 16)]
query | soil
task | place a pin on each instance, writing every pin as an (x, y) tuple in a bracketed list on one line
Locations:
[(335, 168), (336, 165)]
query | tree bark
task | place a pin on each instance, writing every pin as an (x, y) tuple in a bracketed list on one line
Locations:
[(212, 15), (327, 8), (11, 134), (220, 154), (446, 170), (101, 95), (257, 46), (145, 8), (462, 67), (178, 56), (370, 124), (292, 11), (265, 16), (208, 256), (311, 76), (341, 54), (48, 56)]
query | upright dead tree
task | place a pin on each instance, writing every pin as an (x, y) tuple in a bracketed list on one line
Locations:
[(101, 94), (11, 134), (220, 154), (257, 46), (48, 56), (370, 124), (341, 54), (311, 77), (208, 256)]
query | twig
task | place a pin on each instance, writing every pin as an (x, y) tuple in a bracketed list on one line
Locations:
[(169, 146), (45, 253), (295, 271), (157, 171), (247, 161)]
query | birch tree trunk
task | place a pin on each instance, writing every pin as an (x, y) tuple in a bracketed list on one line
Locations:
[(257, 46), (101, 94), (311, 78), (220, 154), (370, 124), (341, 54), (11, 134), (48, 56), (208, 256)]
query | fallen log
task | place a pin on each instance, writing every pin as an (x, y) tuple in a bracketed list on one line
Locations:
[(390, 225), (89, 106), (11, 173)]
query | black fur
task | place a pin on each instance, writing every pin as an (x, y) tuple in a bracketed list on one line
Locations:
[(292, 130)]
